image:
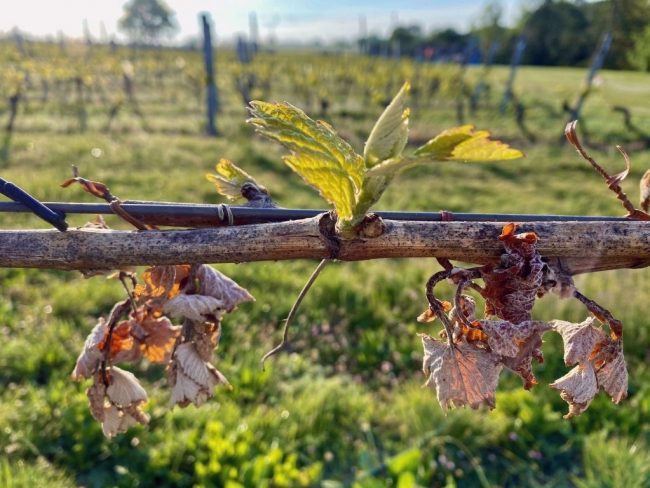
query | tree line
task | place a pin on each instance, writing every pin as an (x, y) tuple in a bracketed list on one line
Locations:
[(557, 33)]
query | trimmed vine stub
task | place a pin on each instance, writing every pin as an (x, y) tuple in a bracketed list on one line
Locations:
[(173, 313)]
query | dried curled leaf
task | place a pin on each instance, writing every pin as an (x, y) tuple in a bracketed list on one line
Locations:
[(155, 337), (579, 339), (124, 390), (594, 351), (118, 405), (462, 374), (229, 179), (195, 307), (508, 339), (511, 289), (578, 388), (161, 283), (91, 356), (217, 285), (192, 379)]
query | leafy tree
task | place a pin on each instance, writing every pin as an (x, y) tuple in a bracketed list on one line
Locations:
[(568, 41), (639, 56), (147, 21)]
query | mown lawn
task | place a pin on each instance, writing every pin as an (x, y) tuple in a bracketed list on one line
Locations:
[(347, 408)]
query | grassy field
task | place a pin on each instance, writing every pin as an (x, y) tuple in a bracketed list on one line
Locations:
[(348, 409)]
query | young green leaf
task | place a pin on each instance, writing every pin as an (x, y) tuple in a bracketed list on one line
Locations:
[(458, 144), (465, 144), (319, 155), (390, 133), (229, 179)]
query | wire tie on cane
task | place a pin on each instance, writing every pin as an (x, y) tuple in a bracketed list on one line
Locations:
[(223, 212)]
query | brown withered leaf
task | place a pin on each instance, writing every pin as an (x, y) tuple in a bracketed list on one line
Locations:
[(118, 420), (118, 405), (579, 339), (124, 389), (507, 339), (461, 375), (192, 379), (589, 346), (206, 338), (155, 336), (97, 398), (522, 363), (612, 377), (511, 288), (429, 316), (195, 307), (578, 388), (91, 356), (122, 344), (217, 285), (161, 283)]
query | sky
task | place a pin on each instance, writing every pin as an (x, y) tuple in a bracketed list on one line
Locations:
[(285, 20)]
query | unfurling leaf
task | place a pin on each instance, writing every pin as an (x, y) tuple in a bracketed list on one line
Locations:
[(390, 133), (322, 158), (465, 144), (229, 179), (461, 374), (192, 379), (217, 285)]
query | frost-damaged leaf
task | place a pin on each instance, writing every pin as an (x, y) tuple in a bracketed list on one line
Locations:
[(522, 363), (612, 377), (124, 390), (322, 158), (192, 379), (507, 339), (511, 289), (91, 356), (195, 307), (229, 179), (592, 349), (461, 375), (117, 406), (206, 338), (579, 339), (464, 144), (217, 285), (578, 388), (390, 133), (155, 336), (161, 283)]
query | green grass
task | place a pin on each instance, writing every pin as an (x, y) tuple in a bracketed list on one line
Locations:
[(346, 409)]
